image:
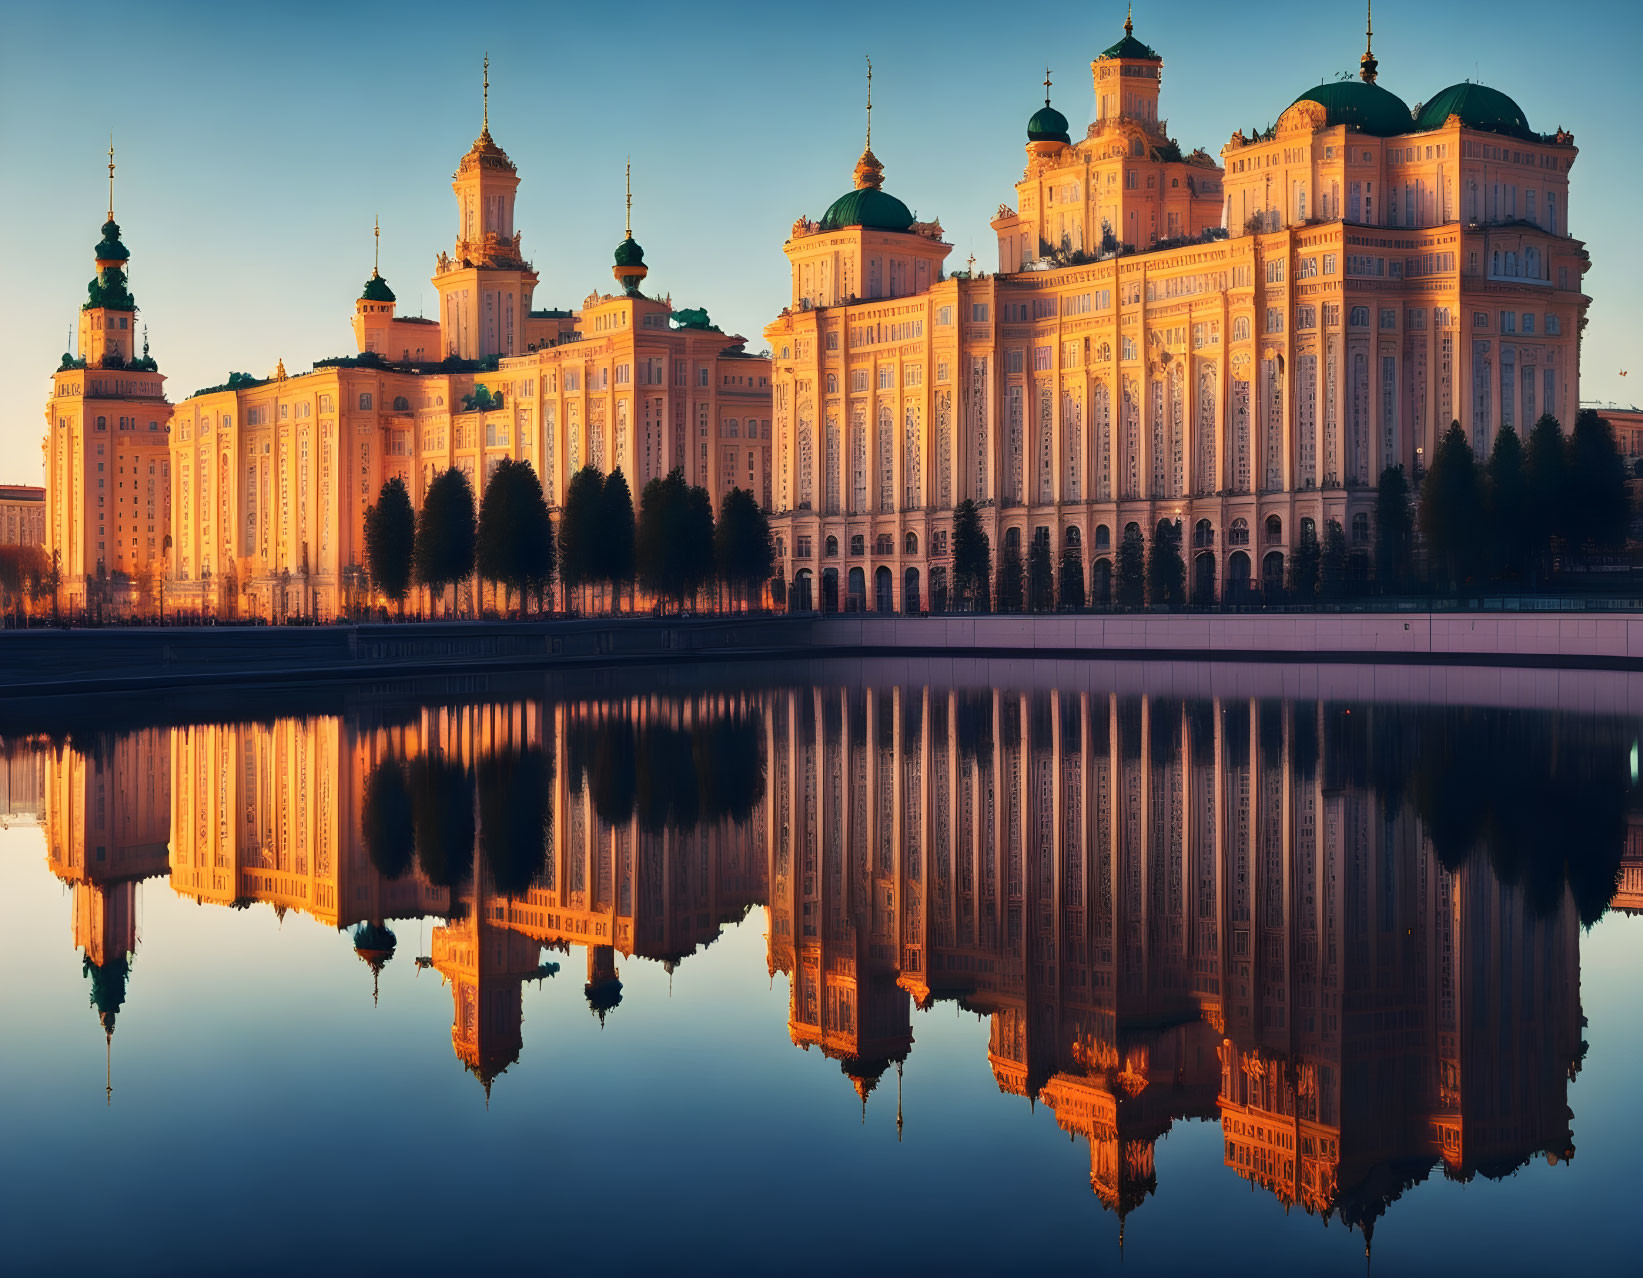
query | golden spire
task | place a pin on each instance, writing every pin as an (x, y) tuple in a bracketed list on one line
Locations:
[(1129, 20), (1367, 63), (376, 255), (869, 108), (110, 177), (1046, 86), (486, 128), (869, 172), (630, 198)]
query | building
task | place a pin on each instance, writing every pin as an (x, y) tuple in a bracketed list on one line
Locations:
[(1239, 349), (261, 484), (108, 484), (22, 515)]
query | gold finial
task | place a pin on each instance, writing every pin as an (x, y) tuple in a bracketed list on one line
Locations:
[(1046, 86), (110, 177), (376, 257), (1129, 21), (630, 197), (1367, 63), (487, 91), (869, 102)]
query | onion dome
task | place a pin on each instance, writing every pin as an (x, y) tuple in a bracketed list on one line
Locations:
[(1129, 47), (1479, 107), (376, 290), (1361, 105), (628, 253), (1048, 125), (109, 248), (869, 205)]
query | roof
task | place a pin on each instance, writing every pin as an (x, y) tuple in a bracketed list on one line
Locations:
[(109, 249), (21, 492), (1479, 107), (1047, 125), (1361, 105), (376, 290), (867, 207), (628, 253), (1129, 47)]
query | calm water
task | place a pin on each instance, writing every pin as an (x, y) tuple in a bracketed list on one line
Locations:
[(949, 967)]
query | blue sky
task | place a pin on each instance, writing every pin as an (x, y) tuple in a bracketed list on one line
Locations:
[(256, 144)]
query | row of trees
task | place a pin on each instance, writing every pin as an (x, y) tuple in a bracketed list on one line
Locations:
[(672, 549)]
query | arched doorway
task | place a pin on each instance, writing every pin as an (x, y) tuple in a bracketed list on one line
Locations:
[(884, 591), (830, 589), (1272, 576), (1101, 583), (1203, 578), (857, 598), (1238, 578), (909, 592), (803, 599)]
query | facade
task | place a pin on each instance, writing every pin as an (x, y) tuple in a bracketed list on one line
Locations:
[(1238, 348), (22, 515)]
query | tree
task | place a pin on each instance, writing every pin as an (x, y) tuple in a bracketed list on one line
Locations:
[(1040, 576), (446, 530), (579, 529), (697, 539), (1010, 576), (617, 565), (1071, 579), (1545, 466), (1306, 563), (1451, 511), (675, 539), (1506, 508), (972, 556), (1166, 570), (743, 548), (514, 817), (1334, 567), (501, 548), (1597, 509), (1394, 531), (390, 531), (442, 811), (537, 554), (386, 819), (1130, 584)]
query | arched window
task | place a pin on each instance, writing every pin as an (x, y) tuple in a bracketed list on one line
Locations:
[(1360, 529), (910, 544), (1073, 536), (1238, 534), (831, 548), (884, 544), (1103, 537), (1274, 530), (1132, 527), (832, 383), (858, 545), (1012, 537), (1203, 533), (1240, 328), (1309, 530), (781, 548), (401, 404)]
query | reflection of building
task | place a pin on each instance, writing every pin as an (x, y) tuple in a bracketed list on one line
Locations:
[(1239, 347), (1629, 895), (22, 515), (22, 782), (1166, 909)]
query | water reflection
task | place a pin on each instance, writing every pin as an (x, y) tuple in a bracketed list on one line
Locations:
[(1349, 933)]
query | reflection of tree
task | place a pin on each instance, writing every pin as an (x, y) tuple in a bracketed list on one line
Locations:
[(443, 813), (387, 819), (730, 765), (514, 815)]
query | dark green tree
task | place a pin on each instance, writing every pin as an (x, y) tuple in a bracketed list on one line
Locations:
[(390, 535), (1011, 577), (537, 556), (1451, 511), (579, 529), (500, 548), (1334, 568), (1071, 579), (1040, 576), (1508, 519), (386, 819), (1598, 510), (1394, 532), (653, 551), (743, 549), (1166, 570), (1130, 575), (1306, 564), (972, 556), (446, 530), (514, 817), (1546, 471), (442, 810), (617, 565), (698, 539)]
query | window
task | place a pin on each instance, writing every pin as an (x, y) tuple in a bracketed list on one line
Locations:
[(830, 548), (1238, 534), (801, 547), (858, 545), (1508, 321), (1240, 328), (1103, 537), (832, 341), (884, 544), (909, 544), (365, 399), (944, 315), (1041, 359), (1529, 322), (978, 312), (1360, 529), (1389, 318), (938, 542), (1274, 530), (887, 377), (1552, 326)]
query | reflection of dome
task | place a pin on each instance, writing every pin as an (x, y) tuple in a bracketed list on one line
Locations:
[(1048, 125), (1479, 107), (376, 290), (375, 946), (603, 998), (108, 987), (1362, 106)]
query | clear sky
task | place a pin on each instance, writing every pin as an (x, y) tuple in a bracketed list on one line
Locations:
[(256, 143)]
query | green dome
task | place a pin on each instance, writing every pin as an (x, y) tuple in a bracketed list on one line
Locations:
[(1479, 107), (1048, 125), (628, 253), (876, 210), (1361, 105), (1129, 47), (109, 248), (376, 290)]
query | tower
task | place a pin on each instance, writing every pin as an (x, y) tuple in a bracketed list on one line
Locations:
[(1127, 76), (374, 311), (108, 490), (484, 286), (630, 269)]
